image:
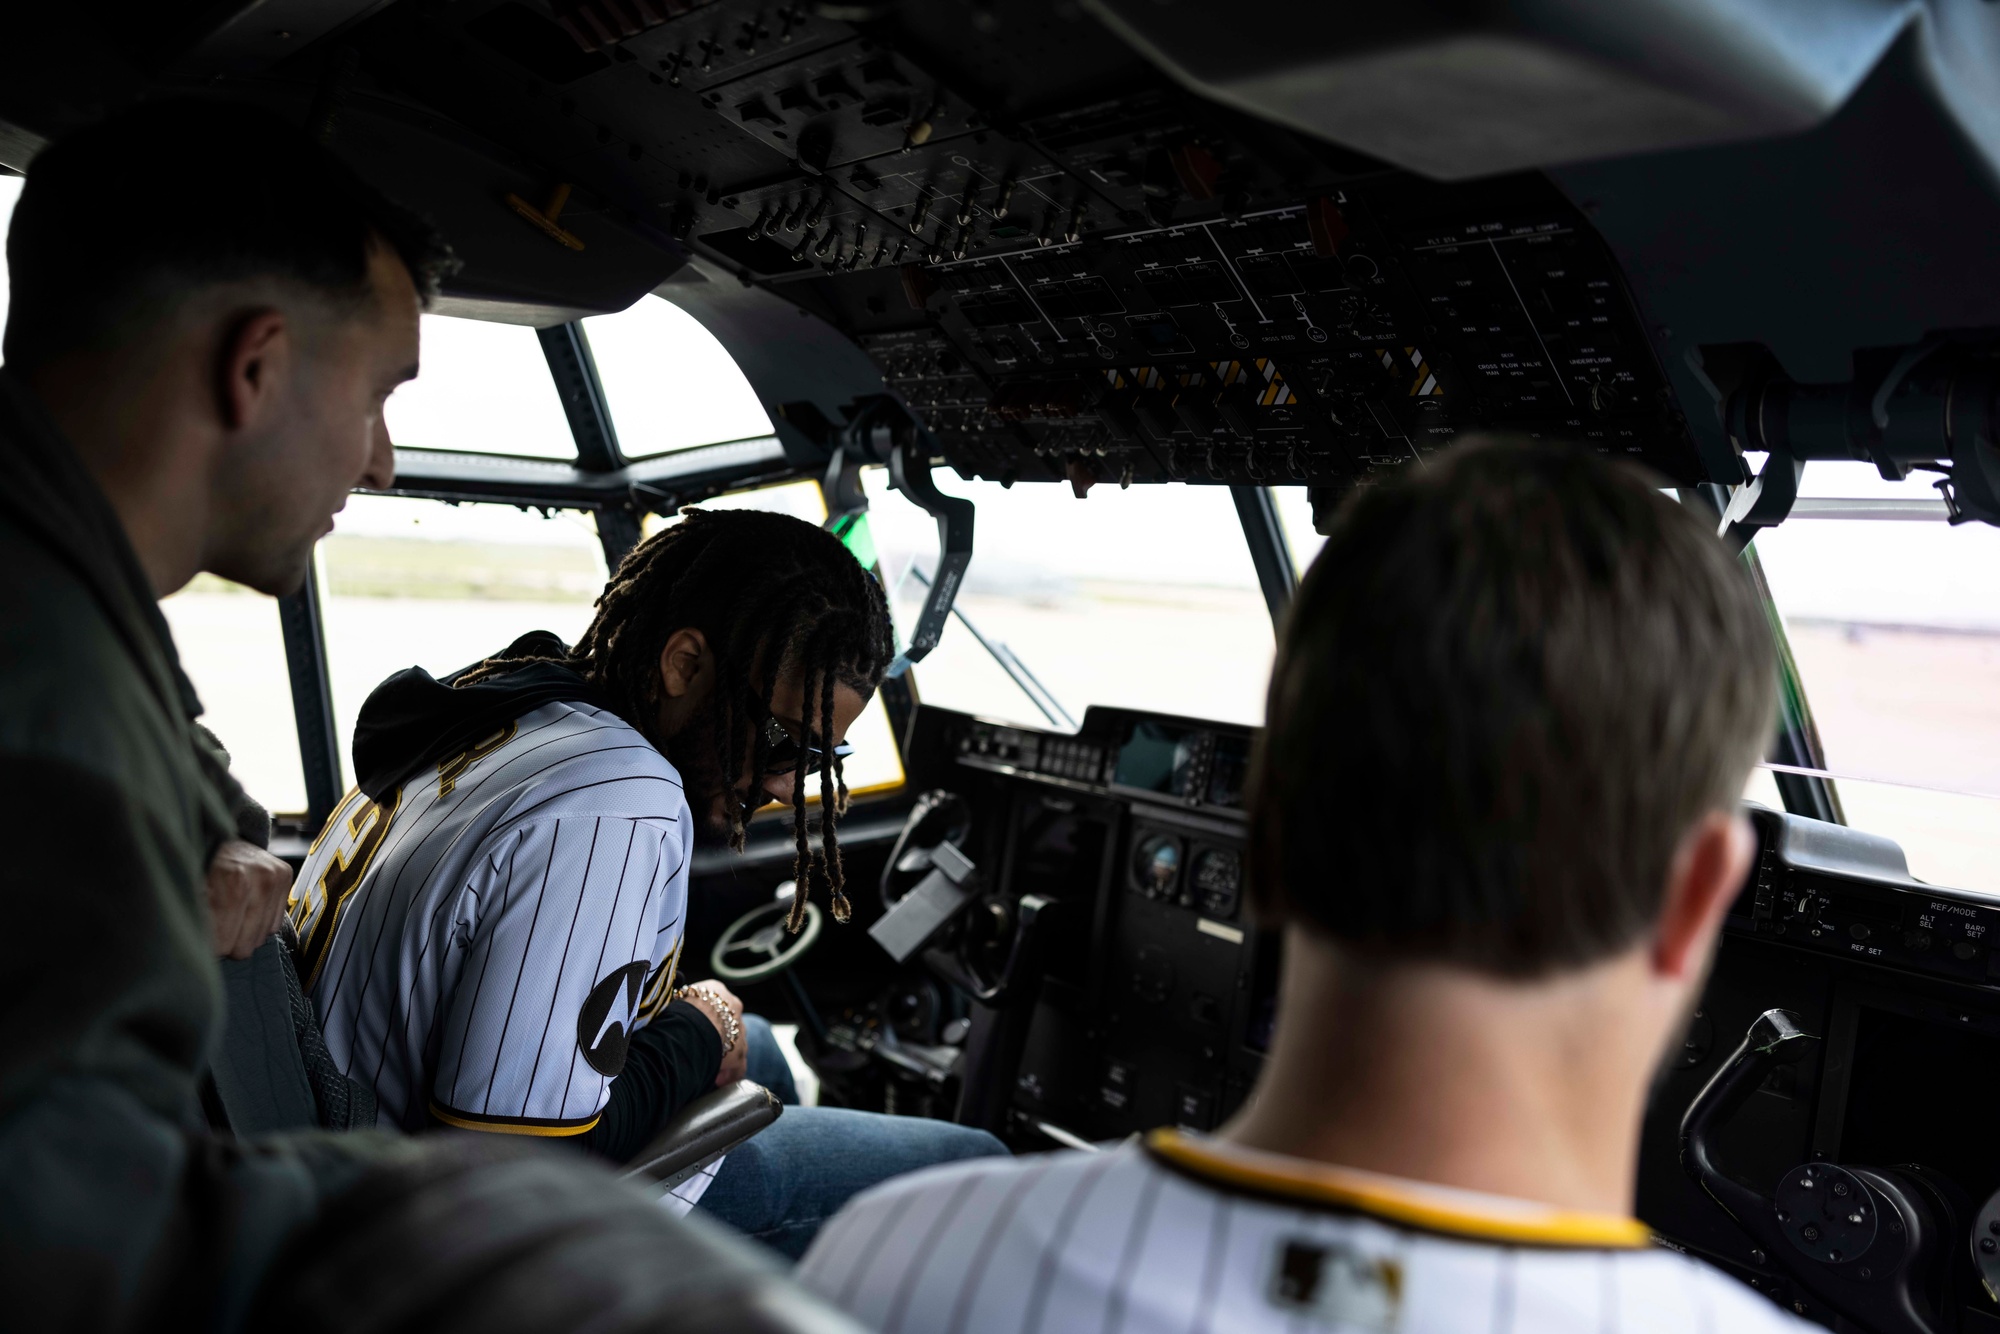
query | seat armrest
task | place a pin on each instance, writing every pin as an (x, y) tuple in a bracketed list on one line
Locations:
[(703, 1131)]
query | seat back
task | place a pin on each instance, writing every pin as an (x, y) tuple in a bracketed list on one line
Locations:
[(481, 1234), (271, 1069)]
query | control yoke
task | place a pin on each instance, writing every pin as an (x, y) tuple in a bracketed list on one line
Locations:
[(1933, 405), (936, 903), (882, 430), (1869, 1242)]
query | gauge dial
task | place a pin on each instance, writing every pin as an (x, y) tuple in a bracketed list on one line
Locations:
[(1156, 865), (1218, 881), (1362, 318)]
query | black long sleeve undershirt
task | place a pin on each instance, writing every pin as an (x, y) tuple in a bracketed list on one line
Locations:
[(671, 1062)]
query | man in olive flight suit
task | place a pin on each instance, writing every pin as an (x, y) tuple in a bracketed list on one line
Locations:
[(208, 312), (183, 392)]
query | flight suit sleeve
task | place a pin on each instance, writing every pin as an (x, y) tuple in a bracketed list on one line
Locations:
[(252, 821), (107, 997), (564, 933)]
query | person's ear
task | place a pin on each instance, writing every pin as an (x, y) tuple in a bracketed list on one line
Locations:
[(1707, 871), (684, 663), (256, 359)]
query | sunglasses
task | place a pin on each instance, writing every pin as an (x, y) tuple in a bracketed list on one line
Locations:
[(783, 757)]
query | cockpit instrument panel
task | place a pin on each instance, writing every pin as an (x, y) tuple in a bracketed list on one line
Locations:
[(1175, 1009), (1355, 330), (1187, 762), (1158, 757), (1156, 866), (1218, 881), (1864, 906), (1891, 990), (1073, 264), (1069, 267)]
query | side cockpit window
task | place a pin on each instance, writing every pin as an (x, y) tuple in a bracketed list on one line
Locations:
[(1295, 516), (670, 383), (1894, 621), (10, 190), (233, 650), (484, 388), (411, 582)]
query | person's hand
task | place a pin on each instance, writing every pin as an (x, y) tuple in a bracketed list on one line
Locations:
[(735, 1061), (247, 888)]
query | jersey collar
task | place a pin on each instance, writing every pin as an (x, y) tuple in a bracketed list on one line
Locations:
[(1415, 1204)]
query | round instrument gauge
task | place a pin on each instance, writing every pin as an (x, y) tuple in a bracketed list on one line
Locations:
[(1156, 865), (1362, 318), (1218, 880)]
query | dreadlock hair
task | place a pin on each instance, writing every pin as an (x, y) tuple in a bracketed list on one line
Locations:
[(771, 594)]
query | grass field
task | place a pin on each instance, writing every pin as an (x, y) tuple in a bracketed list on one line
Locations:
[(413, 567)]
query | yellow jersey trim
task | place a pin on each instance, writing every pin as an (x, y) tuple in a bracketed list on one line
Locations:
[(661, 992), (1429, 1208), (510, 1125)]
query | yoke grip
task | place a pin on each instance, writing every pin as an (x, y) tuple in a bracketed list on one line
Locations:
[(1775, 1038)]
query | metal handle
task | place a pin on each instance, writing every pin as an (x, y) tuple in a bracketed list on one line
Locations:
[(910, 473), (1892, 1289)]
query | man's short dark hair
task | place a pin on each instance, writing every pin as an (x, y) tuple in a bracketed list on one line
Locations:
[(122, 220), (1509, 685)]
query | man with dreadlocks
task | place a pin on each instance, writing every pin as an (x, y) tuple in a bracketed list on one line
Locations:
[(490, 923)]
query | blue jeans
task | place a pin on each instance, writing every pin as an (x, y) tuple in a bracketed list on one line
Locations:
[(765, 1062), (796, 1173)]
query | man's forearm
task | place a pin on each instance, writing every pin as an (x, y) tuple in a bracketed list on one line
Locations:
[(671, 1062)]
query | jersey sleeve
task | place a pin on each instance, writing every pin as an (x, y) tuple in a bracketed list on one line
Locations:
[(566, 943)]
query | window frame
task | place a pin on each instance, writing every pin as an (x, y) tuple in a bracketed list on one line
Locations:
[(302, 621), (600, 481), (604, 483)]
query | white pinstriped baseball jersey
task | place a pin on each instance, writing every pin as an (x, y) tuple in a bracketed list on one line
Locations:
[(482, 944), (1186, 1236)]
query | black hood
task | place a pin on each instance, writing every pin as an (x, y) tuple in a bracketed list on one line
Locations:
[(413, 720)]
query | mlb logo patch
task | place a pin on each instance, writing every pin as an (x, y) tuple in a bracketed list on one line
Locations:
[(1337, 1285)]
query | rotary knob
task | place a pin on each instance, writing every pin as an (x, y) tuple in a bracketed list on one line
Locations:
[(1986, 1245), (1826, 1212)]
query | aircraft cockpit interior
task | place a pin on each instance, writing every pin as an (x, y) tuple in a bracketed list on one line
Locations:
[(1076, 321)]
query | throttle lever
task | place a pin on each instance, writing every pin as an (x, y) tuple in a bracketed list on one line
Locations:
[(1862, 1240)]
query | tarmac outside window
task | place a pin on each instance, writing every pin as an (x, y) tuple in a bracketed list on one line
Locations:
[(1896, 629), (234, 651), (1141, 598), (419, 582)]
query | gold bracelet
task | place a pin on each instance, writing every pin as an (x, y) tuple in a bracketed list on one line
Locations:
[(731, 1030)]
